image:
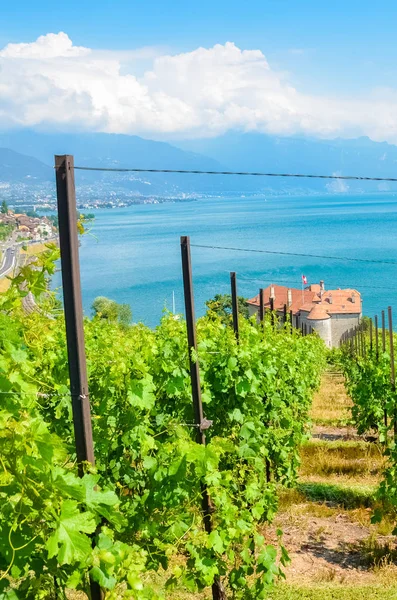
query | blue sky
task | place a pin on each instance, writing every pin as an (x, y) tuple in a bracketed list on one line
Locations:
[(334, 49), (346, 44)]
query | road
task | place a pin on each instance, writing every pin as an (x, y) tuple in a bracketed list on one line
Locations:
[(8, 261)]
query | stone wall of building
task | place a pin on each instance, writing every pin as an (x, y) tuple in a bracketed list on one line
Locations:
[(324, 329), (341, 323), (332, 333), (330, 330)]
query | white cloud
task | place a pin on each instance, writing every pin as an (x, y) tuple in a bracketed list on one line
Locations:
[(200, 93), (46, 46)]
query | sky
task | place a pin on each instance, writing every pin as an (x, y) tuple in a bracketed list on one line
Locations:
[(180, 70)]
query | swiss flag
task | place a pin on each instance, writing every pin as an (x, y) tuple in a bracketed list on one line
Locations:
[(304, 279)]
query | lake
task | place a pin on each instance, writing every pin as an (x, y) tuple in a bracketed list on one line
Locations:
[(132, 254)]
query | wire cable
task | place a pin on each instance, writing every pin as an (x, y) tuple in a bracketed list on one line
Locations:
[(343, 258), (243, 173), (297, 281)]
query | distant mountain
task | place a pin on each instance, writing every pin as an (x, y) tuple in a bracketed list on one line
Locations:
[(258, 152), (16, 167), (119, 151), (233, 151)]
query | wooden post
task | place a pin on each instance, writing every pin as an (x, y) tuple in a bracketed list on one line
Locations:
[(392, 369), (201, 423), (370, 335), (71, 286), (73, 310), (233, 284), (291, 320), (272, 312), (383, 332), (363, 349), (285, 314), (261, 307), (376, 338)]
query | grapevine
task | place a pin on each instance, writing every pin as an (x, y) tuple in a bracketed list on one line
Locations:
[(139, 510)]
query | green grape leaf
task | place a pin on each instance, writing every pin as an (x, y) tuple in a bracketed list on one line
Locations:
[(69, 542)]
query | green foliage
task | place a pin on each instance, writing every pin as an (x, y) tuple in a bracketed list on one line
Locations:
[(5, 231), (32, 213), (4, 208), (221, 306), (54, 220), (141, 504), (368, 381), (368, 384), (110, 310)]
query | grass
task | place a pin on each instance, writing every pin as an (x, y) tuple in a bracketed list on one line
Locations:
[(4, 284), (350, 458), (339, 495), (334, 592), (34, 249), (378, 553), (331, 405)]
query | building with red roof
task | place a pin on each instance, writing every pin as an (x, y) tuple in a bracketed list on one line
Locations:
[(329, 312)]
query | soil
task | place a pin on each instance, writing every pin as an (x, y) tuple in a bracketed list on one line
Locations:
[(339, 546)]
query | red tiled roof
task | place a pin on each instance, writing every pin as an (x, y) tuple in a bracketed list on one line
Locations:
[(318, 313), (281, 298), (331, 301)]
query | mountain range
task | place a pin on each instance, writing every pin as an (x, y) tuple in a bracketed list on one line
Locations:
[(27, 155)]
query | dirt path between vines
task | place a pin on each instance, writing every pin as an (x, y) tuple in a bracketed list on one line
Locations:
[(326, 519)]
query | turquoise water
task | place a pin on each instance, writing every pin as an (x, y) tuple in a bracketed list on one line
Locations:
[(133, 254)]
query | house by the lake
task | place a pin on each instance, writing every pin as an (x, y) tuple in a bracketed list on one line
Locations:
[(329, 312)]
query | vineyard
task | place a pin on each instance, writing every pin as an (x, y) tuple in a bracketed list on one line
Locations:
[(147, 463), (139, 510), (369, 366)]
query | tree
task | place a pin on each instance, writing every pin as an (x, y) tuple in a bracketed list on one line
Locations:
[(4, 208), (125, 314), (105, 308), (221, 305)]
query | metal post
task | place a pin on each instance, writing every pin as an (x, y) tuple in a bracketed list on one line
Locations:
[(201, 423), (376, 338), (233, 284), (291, 320), (383, 332), (261, 306), (73, 310), (285, 314)]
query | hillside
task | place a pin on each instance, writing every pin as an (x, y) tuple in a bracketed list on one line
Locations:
[(119, 151), (233, 151), (16, 167)]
